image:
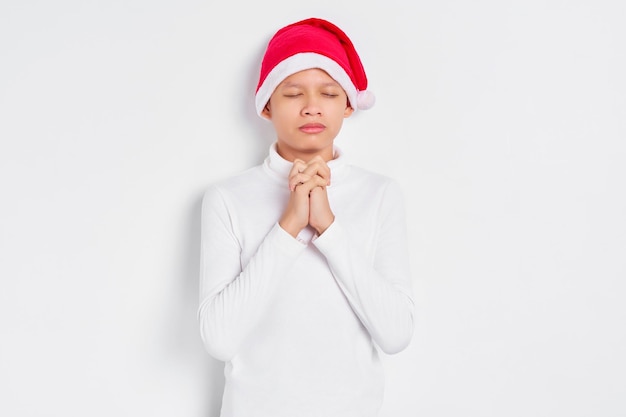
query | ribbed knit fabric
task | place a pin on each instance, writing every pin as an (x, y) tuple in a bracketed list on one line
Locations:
[(297, 321)]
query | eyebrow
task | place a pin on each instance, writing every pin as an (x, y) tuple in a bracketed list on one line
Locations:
[(328, 84)]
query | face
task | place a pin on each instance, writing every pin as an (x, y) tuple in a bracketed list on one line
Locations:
[(307, 110)]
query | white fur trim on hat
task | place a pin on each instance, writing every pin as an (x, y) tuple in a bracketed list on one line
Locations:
[(300, 62)]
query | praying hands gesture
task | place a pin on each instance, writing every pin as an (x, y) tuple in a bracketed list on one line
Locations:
[(308, 202)]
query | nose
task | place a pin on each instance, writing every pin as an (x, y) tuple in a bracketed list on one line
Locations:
[(312, 107)]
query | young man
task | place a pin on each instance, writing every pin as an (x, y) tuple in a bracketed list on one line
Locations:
[(305, 268)]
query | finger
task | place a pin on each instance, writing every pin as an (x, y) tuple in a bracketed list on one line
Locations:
[(298, 167), (300, 164), (297, 179), (317, 166), (307, 186), (320, 181)]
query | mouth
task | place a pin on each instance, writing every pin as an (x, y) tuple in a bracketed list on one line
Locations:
[(312, 128)]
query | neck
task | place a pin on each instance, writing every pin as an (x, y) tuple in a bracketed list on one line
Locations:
[(291, 154)]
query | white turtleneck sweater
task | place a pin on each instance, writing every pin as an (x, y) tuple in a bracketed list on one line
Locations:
[(297, 321)]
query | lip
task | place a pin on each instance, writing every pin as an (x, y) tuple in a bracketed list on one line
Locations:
[(312, 128)]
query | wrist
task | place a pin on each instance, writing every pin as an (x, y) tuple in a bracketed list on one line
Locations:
[(290, 227), (321, 228)]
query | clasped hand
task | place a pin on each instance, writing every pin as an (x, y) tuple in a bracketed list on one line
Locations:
[(308, 201)]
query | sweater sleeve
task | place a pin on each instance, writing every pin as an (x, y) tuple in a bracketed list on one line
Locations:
[(233, 296), (378, 288)]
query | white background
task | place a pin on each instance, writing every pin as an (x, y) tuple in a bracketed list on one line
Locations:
[(504, 121)]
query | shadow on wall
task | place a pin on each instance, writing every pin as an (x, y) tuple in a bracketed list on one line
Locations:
[(259, 132), (207, 370)]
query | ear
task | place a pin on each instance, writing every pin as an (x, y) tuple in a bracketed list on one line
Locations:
[(266, 113), (348, 112)]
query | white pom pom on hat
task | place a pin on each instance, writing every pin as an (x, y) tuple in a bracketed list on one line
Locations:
[(313, 43), (365, 100)]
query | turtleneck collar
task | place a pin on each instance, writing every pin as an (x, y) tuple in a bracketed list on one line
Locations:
[(278, 167)]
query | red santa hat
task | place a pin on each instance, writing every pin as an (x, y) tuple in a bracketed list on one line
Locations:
[(313, 43)]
